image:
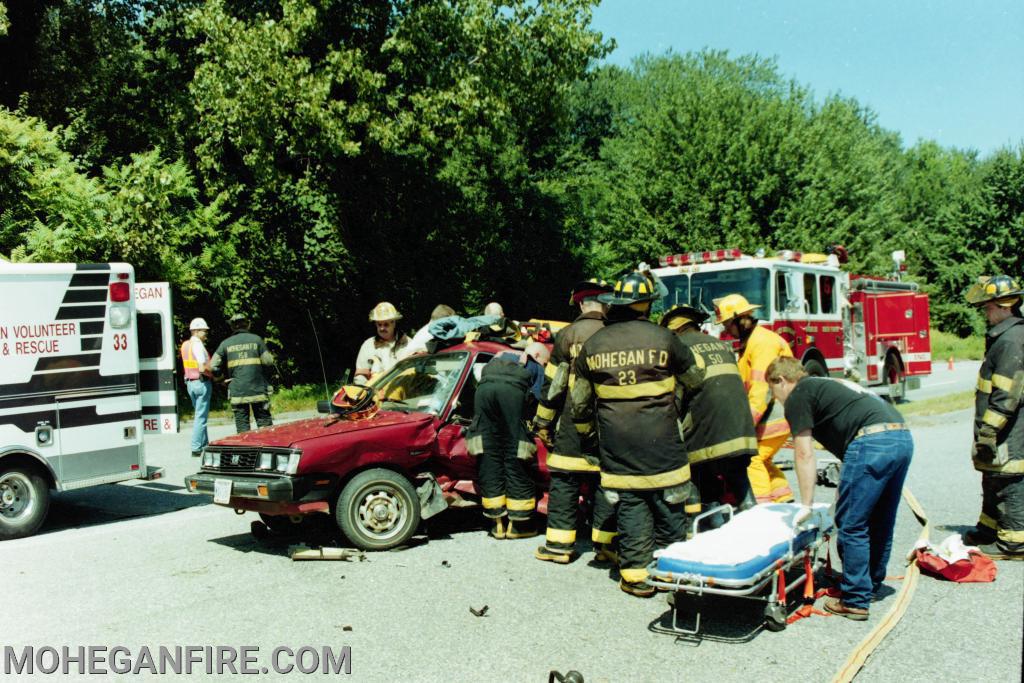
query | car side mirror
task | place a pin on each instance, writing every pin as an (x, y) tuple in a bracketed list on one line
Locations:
[(323, 406)]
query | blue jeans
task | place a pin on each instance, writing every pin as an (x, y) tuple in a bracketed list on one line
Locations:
[(200, 391), (874, 468)]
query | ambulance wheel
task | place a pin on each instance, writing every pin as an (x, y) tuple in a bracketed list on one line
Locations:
[(895, 380), (378, 510), (24, 500), (775, 617)]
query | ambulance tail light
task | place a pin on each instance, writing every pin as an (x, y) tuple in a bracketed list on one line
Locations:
[(697, 257), (120, 292)]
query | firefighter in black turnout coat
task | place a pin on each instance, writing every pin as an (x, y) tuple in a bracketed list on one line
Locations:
[(510, 386), (625, 399), (570, 470), (720, 438)]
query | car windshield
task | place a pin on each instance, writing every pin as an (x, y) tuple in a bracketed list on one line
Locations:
[(701, 289), (422, 384)]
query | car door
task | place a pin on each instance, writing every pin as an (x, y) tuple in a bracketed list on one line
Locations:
[(454, 459)]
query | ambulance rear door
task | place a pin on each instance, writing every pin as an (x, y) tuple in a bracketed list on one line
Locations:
[(157, 358)]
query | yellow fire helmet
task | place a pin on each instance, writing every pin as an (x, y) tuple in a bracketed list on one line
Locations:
[(731, 306), (680, 315), (1002, 289), (384, 311)]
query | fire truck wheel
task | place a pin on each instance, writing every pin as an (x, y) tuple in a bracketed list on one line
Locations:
[(24, 500), (378, 509), (815, 368), (895, 380)]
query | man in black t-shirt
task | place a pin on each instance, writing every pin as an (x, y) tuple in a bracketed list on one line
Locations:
[(873, 442)]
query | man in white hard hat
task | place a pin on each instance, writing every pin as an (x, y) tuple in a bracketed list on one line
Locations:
[(198, 380), (379, 353)]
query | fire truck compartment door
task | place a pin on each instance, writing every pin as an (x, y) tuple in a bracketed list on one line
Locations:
[(158, 357)]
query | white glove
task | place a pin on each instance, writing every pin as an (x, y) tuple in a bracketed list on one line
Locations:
[(803, 514)]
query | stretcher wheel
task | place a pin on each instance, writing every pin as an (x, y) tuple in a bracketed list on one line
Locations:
[(775, 617)]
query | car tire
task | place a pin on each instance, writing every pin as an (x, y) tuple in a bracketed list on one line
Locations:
[(378, 509), (24, 500), (815, 368)]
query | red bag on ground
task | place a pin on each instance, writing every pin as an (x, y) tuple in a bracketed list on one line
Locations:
[(978, 569)]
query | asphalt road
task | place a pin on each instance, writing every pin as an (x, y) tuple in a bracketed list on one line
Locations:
[(146, 564)]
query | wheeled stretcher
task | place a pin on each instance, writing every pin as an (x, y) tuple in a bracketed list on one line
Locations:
[(747, 557)]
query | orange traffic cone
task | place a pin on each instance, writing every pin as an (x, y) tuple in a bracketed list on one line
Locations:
[(950, 364)]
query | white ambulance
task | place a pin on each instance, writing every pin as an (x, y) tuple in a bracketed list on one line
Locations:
[(72, 407)]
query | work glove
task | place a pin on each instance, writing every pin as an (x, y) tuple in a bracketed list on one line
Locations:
[(985, 446), (544, 434)]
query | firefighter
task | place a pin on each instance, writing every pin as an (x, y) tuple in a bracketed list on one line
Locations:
[(720, 440), (759, 346), (379, 353), (998, 451), (509, 388), (247, 356), (625, 391), (570, 470)]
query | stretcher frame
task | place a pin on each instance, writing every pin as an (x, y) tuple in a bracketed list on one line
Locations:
[(751, 587)]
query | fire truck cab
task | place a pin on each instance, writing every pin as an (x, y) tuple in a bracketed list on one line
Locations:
[(870, 330)]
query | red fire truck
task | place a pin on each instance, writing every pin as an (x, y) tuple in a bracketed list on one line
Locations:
[(871, 330)]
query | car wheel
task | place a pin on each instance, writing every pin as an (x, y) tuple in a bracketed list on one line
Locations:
[(378, 509), (24, 501), (815, 368)]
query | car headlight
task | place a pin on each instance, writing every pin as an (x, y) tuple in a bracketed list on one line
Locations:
[(208, 459), (290, 462), (266, 461)]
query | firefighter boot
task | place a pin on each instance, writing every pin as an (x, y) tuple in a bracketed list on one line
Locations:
[(498, 530), (520, 528), (604, 552), (556, 555), (640, 589)]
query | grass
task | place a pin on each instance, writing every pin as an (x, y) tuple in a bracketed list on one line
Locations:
[(299, 398), (938, 405), (945, 345)]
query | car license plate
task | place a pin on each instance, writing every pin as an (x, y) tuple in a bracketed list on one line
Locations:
[(222, 491)]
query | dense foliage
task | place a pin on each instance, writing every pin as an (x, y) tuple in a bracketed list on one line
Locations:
[(304, 159)]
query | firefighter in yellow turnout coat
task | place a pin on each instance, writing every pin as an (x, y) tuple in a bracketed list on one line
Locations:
[(759, 346), (624, 398)]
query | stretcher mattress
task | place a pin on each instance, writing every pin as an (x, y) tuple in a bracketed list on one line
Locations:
[(749, 543)]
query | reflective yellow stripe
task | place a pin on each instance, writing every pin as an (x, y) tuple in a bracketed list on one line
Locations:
[(986, 521), (646, 481), (244, 361), (641, 390), (566, 536), (492, 503), (520, 504), (549, 370), (985, 386), (993, 418), (1002, 382), (1011, 467), (633, 575), (692, 509), (545, 413), (570, 463), (601, 536), (721, 369), (723, 448), (1010, 536), (584, 428)]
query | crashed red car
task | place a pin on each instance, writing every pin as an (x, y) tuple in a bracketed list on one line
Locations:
[(379, 476)]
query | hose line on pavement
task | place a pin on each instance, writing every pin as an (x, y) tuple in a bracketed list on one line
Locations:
[(860, 654)]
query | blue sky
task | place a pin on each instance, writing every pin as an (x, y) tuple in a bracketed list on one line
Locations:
[(946, 70)]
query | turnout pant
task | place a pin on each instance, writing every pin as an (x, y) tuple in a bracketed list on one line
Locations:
[(874, 468), (504, 480), (724, 480), (646, 521), (1002, 511), (564, 506), (260, 411), (766, 479)]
